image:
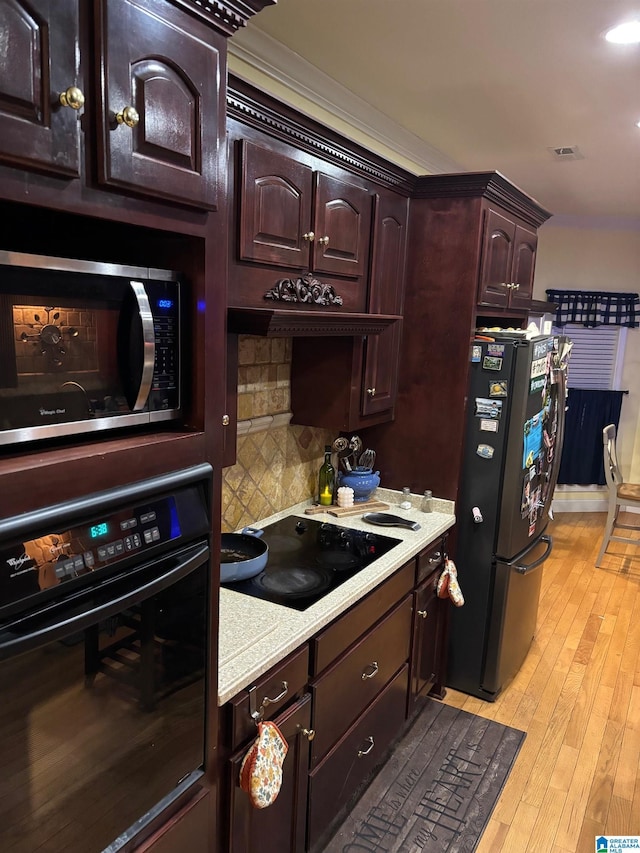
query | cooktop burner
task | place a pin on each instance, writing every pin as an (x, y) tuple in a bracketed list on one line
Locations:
[(309, 558)]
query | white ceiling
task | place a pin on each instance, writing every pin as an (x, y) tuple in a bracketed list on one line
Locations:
[(474, 85)]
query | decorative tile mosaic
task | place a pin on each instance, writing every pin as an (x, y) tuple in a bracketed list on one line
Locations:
[(278, 466)]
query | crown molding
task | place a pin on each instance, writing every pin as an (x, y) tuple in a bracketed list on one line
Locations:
[(228, 16), (292, 72)]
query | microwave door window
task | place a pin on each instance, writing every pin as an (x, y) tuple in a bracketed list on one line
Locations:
[(59, 359)]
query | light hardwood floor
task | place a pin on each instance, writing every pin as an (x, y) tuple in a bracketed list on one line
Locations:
[(577, 697)]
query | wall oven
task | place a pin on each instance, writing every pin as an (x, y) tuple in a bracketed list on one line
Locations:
[(104, 629), (85, 346)]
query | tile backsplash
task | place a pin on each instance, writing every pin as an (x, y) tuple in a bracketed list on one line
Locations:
[(277, 463)]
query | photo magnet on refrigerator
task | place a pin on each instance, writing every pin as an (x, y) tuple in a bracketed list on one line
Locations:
[(485, 451)]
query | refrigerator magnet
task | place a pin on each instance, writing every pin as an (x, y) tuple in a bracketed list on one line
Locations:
[(495, 349), (488, 408), (488, 425), (485, 451), (498, 388), (491, 362), (476, 353)]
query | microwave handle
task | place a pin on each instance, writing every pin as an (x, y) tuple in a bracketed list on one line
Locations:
[(148, 343)]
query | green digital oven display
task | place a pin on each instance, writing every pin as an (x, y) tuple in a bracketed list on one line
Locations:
[(99, 530)]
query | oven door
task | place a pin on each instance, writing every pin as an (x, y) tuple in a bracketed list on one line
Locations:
[(82, 350), (103, 706)]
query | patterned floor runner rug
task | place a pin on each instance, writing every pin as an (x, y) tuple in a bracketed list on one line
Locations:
[(437, 790)]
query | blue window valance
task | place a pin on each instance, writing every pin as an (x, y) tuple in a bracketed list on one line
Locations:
[(595, 308)]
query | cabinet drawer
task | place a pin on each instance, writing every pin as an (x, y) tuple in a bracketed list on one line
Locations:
[(293, 670), (363, 747), (345, 690), (430, 560), (336, 639)]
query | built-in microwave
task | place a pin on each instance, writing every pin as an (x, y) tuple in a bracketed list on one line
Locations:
[(85, 346)]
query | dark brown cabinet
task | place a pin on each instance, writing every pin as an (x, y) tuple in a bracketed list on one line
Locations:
[(40, 62), (508, 262), (293, 216), (281, 827), (189, 829), (159, 113), (429, 626), (363, 371)]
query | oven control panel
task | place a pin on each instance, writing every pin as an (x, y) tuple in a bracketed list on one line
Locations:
[(56, 557)]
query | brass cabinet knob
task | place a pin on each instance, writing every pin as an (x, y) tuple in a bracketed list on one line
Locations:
[(371, 392), (309, 236), (72, 97), (324, 241), (515, 286), (128, 116), (423, 614), (226, 420), (308, 733)]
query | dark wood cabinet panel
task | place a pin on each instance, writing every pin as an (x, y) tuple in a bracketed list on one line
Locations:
[(39, 61), (508, 262), (274, 199), (281, 827), (161, 112), (292, 215), (426, 646), (345, 689), (341, 226), (363, 748), (190, 829)]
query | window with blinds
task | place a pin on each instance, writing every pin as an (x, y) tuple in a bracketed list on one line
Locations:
[(596, 357)]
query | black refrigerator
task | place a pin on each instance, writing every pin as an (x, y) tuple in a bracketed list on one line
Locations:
[(513, 443)]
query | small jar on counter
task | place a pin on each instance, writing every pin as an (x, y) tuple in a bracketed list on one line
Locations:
[(405, 503), (427, 501)]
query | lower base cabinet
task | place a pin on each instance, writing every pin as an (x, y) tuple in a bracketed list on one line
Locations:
[(338, 779), (281, 827), (340, 700), (191, 828)]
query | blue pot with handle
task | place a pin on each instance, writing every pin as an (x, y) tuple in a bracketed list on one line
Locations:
[(363, 481)]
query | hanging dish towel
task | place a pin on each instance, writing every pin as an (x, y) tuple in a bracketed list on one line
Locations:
[(448, 586), (261, 769)]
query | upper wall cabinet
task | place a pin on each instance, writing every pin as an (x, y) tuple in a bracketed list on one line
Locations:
[(40, 93), (508, 262), (295, 217), (157, 103)]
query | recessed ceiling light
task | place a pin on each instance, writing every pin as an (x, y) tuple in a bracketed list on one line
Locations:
[(628, 33)]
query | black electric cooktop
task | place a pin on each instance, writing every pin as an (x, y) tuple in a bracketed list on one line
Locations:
[(309, 558)]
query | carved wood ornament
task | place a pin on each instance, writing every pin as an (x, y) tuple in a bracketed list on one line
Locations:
[(304, 289)]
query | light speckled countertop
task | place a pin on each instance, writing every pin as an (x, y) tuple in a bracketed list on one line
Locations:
[(255, 634)]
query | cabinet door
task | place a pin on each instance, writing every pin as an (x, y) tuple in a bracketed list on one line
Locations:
[(280, 828), (386, 296), (496, 264), (190, 829), (426, 647), (274, 207), (524, 261), (167, 67), (342, 222), (39, 59)]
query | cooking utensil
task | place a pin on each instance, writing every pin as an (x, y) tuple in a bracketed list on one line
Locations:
[(367, 459), (343, 456), (242, 555), (339, 444), (387, 519), (355, 443)]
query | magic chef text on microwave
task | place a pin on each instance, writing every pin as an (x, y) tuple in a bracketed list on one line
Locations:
[(85, 346)]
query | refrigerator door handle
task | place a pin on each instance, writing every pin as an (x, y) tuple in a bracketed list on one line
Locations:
[(524, 569)]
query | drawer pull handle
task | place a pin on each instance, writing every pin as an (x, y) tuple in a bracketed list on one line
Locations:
[(436, 557), (371, 743), (285, 688), (374, 669), (258, 713), (308, 733), (423, 613)]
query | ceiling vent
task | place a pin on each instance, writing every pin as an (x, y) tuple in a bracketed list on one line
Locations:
[(566, 152)]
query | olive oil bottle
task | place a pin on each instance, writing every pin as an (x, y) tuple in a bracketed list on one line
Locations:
[(326, 479)]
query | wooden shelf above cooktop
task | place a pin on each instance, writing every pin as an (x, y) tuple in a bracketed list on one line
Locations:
[(285, 322)]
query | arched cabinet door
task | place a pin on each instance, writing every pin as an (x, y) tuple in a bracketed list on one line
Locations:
[(494, 286), (160, 114), (39, 62), (524, 262)]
